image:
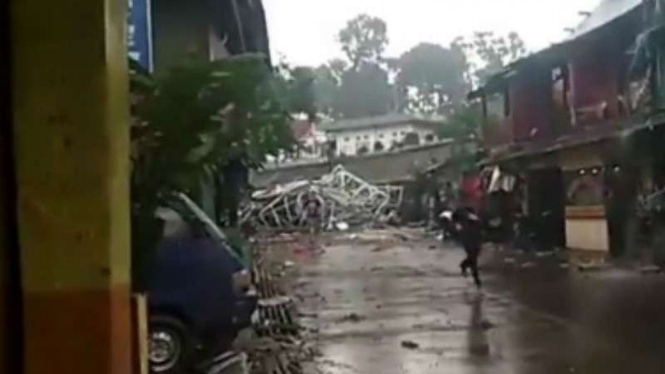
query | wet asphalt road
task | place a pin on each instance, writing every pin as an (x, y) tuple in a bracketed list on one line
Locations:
[(406, 309)]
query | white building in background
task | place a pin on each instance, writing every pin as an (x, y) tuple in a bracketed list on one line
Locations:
[(380, 134)]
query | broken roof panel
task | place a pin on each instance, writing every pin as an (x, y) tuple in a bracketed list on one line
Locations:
[(607, 11)]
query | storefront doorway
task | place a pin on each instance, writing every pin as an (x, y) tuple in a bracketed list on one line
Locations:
[(546, 207)]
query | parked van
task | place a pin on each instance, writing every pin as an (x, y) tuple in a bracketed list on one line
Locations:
[(199, 291)]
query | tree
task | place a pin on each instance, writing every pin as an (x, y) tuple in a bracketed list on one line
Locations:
[(364, 92), (493, 52), (432, 77), (463, 123), (361, 86), (297, 89), (363, 150), (327, 83), (198, 119), (364, 39), (378, 146)]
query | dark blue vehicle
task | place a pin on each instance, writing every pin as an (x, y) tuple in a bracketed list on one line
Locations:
[(199, 293)]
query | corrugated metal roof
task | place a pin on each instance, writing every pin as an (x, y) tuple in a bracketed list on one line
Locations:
[(378, 121), (607, 11)]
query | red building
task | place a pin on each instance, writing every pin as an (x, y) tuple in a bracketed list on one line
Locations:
[(577, 121)]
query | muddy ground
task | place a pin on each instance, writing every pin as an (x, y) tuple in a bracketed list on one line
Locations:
[(395, 302)]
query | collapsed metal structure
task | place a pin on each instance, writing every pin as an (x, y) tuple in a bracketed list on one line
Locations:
[(343, 197)]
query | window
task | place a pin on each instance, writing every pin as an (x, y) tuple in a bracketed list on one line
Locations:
[(560, 91), (346, 139), (394, 134), (380, 136), (366, 137)]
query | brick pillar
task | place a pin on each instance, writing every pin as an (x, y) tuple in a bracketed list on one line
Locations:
[(71, 137)]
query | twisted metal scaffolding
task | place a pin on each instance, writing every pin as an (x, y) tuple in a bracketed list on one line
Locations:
[(341, 197)]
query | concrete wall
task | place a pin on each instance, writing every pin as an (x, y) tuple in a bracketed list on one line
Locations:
[(375, 168), (586, 227), (588, 234)]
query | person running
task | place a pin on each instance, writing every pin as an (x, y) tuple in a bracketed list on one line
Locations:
[(469, 232)]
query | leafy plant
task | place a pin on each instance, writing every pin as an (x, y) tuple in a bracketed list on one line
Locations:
[(364, 39), (199, 119), (432, 78)]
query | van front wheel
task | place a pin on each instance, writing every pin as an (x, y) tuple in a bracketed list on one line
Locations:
[(171, 345)]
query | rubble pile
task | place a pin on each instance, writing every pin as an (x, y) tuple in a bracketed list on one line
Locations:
[(280, 346), (343, 198)]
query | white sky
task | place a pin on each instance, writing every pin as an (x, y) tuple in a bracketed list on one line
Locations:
[(304, 31)]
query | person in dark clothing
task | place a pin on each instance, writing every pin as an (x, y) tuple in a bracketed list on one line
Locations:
[(469, 232)]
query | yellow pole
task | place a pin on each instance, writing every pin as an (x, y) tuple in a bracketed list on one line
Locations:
[(70, 118)]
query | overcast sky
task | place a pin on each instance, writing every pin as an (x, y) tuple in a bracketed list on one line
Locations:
[(304, 31)]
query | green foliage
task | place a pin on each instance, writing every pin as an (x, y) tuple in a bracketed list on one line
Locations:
[(488, 53), (463, 123), (433, 76), (364, 39), (297, 89), (326, 89), (364, 92), (204, 114), (327, 83), (195, 120)]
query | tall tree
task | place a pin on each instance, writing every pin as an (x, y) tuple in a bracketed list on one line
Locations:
[(365, 92), (363, 40), (296, 85), (489, 53), (302, 95), (327, 83), (432, 77)]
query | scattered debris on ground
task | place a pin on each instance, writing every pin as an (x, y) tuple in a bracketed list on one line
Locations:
[(652, 269), (485, 325), (592, 266), (279, 346), (545, 254), (408, 344), (352, 317), (527, 265), (379, 248)]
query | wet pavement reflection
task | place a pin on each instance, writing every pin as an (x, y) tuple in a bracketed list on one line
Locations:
[(406, 309)]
